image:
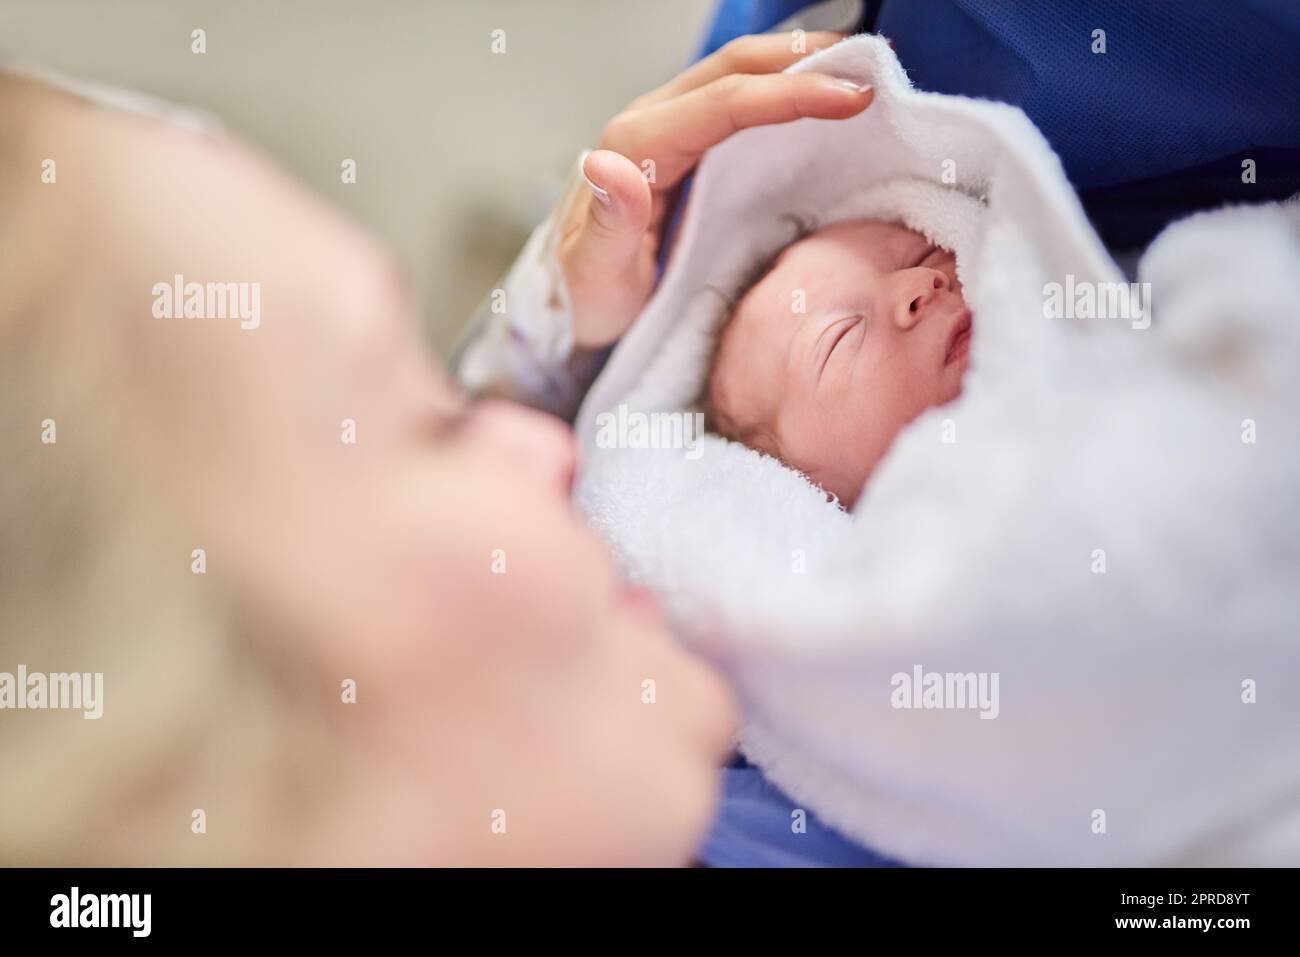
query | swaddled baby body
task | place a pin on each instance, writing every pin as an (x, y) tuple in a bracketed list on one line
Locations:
[(853, 331)]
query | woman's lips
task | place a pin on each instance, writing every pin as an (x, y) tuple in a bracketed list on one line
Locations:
[(959, 339)]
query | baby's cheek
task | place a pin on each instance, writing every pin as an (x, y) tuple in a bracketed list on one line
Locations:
[(866, 429)]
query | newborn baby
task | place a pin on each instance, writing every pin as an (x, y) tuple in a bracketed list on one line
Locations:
[(853, 331)]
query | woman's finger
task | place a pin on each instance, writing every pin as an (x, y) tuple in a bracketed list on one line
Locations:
[(672, 135), (764, 53), (607, 254)]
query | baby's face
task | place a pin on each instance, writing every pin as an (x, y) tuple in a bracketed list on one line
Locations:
[(883, 335)]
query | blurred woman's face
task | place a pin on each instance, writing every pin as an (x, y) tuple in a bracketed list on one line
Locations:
[(514, 703)]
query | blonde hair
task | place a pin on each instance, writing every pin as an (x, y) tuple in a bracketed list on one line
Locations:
[(95, 576)]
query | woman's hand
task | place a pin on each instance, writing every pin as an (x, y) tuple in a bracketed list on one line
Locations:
[(610, 244)]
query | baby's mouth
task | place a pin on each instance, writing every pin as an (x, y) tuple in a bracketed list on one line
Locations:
[(959, 339)]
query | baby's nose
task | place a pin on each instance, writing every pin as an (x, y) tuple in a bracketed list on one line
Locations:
[(923, 285)]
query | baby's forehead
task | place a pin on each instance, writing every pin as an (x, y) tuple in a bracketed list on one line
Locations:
[(826, 254), (857, 234)]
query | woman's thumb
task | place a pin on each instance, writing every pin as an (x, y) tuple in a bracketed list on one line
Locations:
[(618, 215), (608, 261)]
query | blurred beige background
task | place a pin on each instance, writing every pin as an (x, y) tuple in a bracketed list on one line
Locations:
[(459, 151)]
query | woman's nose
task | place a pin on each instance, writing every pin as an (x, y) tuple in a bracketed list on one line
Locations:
[(920, 287), (537, 448)]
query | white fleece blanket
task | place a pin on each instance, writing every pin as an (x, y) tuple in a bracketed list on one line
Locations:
[(1108, 519)]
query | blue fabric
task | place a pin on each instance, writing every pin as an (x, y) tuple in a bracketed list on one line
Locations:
[(735, 18), (759, 827), (1151, 130)]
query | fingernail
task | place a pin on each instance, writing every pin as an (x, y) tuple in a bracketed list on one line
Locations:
[(602, 195), (853, 85)]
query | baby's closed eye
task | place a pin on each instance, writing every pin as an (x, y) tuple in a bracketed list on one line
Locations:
[(832, 336)]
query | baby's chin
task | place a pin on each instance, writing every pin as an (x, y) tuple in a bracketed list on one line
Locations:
[(955, 376), (846, 478)]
